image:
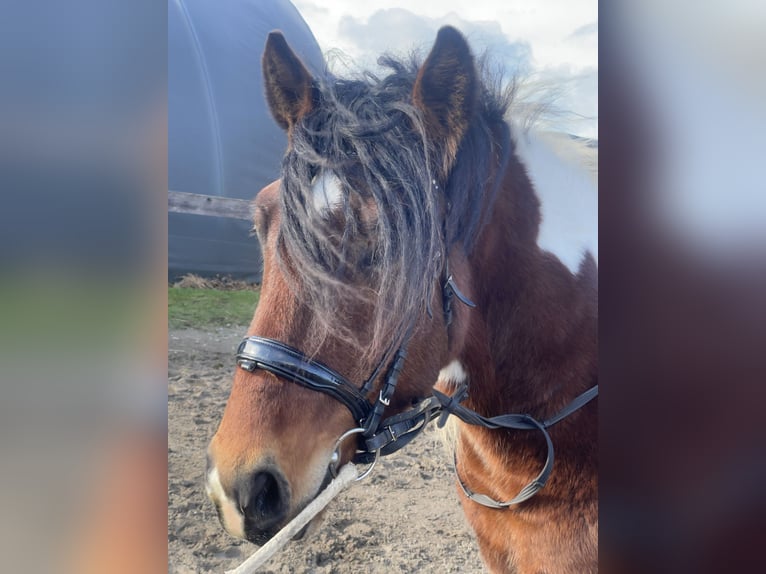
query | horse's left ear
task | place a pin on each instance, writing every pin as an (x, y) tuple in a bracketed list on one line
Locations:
[(446, 91)]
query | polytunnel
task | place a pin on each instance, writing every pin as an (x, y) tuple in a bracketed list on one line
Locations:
[(222, 142)]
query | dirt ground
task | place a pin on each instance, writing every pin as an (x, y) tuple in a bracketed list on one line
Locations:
[(405, 517)]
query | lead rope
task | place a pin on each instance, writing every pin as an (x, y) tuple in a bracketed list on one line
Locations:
[(346, 477)]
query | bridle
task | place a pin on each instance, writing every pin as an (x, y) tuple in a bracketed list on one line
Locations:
[(380, 437)]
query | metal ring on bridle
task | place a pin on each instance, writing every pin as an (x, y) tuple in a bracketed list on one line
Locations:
[(336, 455)]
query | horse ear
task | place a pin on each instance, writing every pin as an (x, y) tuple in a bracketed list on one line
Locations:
[(446, 92), (287, 81)]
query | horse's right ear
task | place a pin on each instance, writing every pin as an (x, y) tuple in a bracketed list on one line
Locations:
[(287, 82)]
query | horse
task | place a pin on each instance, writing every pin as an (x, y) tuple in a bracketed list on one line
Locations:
[(401, 261)]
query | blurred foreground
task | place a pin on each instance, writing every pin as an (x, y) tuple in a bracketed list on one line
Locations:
[(683, 286), (83, 149)]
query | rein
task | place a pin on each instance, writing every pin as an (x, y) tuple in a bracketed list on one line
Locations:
[(398, 430), (380, 437)]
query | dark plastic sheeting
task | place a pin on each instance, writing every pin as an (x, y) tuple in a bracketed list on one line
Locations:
[(221, 138)]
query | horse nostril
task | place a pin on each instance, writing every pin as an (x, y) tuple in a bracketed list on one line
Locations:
[(263, 499)]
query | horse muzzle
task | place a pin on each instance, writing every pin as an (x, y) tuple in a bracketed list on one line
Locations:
[(255, 506)]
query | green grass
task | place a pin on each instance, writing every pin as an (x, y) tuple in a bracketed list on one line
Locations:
[(189, 307)]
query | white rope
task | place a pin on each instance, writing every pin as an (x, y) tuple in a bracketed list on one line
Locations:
[(345, 477)]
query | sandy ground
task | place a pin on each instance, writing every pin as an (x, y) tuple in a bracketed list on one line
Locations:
[(405, 517)]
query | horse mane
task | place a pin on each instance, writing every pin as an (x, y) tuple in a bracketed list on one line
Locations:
[(368, 132)]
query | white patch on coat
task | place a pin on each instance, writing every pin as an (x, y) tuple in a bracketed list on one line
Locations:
[(233, 520), (564, 175), (326, 191), (454, 373)]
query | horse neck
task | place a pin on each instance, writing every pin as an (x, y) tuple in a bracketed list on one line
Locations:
[(531, 344)]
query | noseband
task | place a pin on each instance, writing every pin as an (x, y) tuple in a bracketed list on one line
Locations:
[(381, 437), (291, 364)]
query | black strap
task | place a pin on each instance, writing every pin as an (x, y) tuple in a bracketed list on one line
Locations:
[(515, 422), (397, 431), (411, 422), (525, 493), (388, 387), (289, 363), (285, 361), (449, 289), (577, 403), (509, 421), (451, 404)]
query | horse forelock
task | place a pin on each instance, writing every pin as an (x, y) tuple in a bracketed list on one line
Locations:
[(370, 137)]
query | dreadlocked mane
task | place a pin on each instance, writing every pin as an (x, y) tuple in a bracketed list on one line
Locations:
[(368, 133)]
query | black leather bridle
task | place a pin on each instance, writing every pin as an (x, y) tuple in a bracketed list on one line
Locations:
[(383, 436)]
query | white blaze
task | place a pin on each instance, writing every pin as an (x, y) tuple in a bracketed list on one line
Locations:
[(233, 520), (326, 191)]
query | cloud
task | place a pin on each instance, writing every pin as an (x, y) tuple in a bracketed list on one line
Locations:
[(574, 91), (399, 31), (557, 55), (586, 30)]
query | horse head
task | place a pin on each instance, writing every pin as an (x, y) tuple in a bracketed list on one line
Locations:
[(355, 257)]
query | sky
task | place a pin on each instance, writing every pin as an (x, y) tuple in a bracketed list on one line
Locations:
[(553, 42)]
